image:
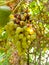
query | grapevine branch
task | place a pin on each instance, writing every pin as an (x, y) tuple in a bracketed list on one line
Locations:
[(17, 6)]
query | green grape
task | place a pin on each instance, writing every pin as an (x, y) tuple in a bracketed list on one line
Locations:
[(18, 45), (10, 28), (24, 44), (21, 36), (26, 33), (19, 48), (28, 37), (24, 39), (29, 42), (33, 37), (24, 28), (15, 38), (11, 25), (18, 30)]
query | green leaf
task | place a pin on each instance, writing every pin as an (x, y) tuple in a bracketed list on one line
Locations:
[(4, 15)]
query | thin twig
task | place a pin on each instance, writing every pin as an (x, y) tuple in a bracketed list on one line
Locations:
[(17, 6)]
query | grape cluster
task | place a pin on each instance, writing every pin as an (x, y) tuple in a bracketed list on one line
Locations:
[(21, 30), (24, 32)]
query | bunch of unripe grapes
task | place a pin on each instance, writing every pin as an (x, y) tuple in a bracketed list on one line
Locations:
[(21, 28)]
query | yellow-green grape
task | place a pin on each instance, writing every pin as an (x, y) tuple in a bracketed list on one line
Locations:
[(26, 33), (33, 37), (24, 39), (18, 30), (16, 38), (28, 42), (21, 36), (18, 46), (24, 28), (28, 37), (24, 44), (12, 16), (10, 26)]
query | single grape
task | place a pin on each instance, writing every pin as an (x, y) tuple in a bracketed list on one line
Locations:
[(19, 29)]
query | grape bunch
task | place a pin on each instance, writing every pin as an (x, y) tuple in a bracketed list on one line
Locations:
[(21, 31)]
